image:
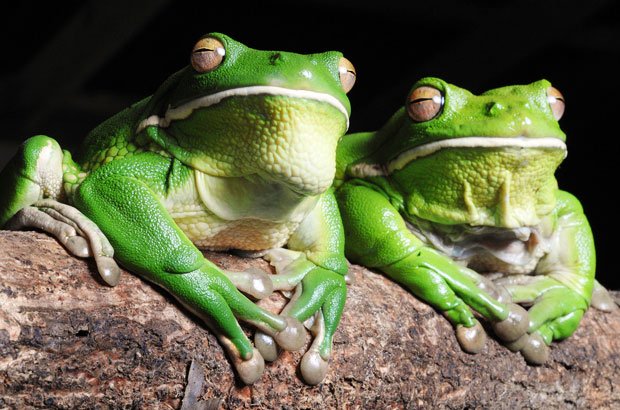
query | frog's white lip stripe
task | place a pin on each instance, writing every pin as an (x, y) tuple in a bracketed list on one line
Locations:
[(473, 142), (185, 110), (365, 169)]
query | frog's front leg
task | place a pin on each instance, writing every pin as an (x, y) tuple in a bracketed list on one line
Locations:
[(563, 289), (377, 237), (32, 185), (122, 198), (315, 267)]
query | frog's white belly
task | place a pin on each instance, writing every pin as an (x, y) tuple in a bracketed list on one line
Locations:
[(234, 213), (489, 249), (207, 231)]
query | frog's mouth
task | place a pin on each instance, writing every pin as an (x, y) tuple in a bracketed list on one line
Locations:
[(421, 151), (404, 158), (183, 111)]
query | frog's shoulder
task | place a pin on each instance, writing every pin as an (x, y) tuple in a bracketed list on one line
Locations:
[(366, 148), (113, 137)]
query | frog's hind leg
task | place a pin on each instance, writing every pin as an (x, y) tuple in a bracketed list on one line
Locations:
[(29, 198)]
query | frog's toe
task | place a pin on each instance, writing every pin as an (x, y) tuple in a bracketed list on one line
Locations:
[(108, 269), (293, 337), (514, 326), (259, 284), (535, 351), (266, 346), (471, 339), (518, 344), (349, 279), (252, 281), (78, 246), (313, 367), (250, 370), (602, 300)]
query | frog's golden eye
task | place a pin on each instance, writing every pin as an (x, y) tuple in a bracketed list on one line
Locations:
[(424, 103), (207, 55), (347, 74), (556, 102)]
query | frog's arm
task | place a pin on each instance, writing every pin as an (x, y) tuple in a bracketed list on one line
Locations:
[(315, 264), (377, 237), (122, 199), (563, 290)]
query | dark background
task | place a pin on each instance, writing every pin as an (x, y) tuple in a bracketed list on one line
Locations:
[(66, 66)]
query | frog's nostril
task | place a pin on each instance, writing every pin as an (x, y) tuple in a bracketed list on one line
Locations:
[(495, 108), (275, 58)]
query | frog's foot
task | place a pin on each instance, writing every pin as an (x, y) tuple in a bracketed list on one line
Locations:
[(215, 300), (74, 230), (555, 313), (458, 292), (318, 300), (601, 299), (252, 281)]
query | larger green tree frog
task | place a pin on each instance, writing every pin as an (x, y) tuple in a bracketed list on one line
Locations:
[(235, 151), (457, 184)]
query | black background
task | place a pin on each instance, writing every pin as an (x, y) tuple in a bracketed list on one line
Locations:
[(66, 66)]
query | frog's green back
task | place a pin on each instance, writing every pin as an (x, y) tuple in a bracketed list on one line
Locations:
[(356, 147)]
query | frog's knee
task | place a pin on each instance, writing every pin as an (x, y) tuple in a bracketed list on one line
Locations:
[(42, 160), (34, 173)]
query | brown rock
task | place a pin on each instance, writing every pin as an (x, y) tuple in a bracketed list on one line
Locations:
[(69, 341)]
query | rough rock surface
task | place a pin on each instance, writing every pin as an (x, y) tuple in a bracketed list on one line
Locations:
[(69, 341)]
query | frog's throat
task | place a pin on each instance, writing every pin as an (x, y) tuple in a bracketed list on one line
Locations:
[(185, 110), (404, 158)]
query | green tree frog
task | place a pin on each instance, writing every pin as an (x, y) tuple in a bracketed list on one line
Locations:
[(455, 185), (235, 151)]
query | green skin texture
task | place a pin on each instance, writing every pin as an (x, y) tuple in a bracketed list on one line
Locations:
[(134, 183), (457, 187)]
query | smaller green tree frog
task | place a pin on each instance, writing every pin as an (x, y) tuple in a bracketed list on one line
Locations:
[(456, 185), (235, 151)]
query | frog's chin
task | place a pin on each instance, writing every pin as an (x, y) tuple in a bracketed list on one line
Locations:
[(505, 185), (404, 158)]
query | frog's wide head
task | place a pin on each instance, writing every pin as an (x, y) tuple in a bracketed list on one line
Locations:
[(240, 112), (485, 159)]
